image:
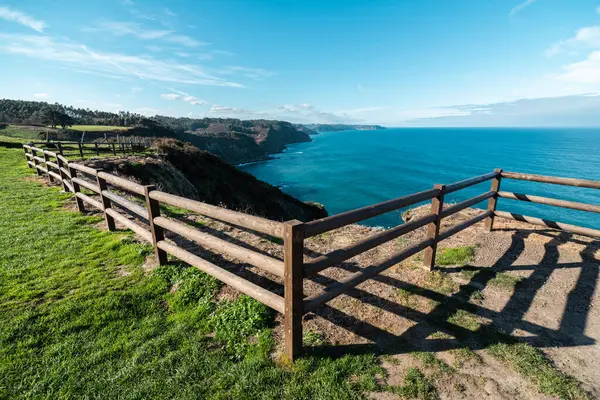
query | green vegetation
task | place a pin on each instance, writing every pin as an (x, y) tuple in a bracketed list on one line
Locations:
[(430, 360), (404, 297), (531, 363), (416, 386), (505, 280), (455, 256), (502, 280), (464, 355), (311, 338), (465, 320), (477, 295), (81, 318), (14, 131), (440, 282)]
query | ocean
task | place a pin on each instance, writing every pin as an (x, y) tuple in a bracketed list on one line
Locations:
[(351, 169)]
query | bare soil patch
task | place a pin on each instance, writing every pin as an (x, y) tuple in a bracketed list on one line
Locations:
[(531, 283)]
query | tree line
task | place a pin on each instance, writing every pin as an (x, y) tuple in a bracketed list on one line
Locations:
[(43, 113), (46, 114)]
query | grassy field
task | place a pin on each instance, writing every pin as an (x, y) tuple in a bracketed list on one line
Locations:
[(14, 131), (98, 128), (81, 318)]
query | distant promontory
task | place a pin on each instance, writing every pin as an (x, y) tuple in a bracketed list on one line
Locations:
[(342, 127)]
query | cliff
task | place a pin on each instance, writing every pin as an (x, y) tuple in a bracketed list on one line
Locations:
[(234, 141), (182, 169), (343, 127)]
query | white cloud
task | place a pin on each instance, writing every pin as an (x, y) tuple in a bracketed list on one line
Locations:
[(254, 73), (585, 38), (118, 28), (217, 109), (136, 89), (82, 58), (307, 113), (587, 71), (41, 95), (21, 18), (170, 96), (521, 6), (184, 97), (170, 13)]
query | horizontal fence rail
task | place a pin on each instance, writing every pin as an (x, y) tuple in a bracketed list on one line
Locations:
[(104, 191), (81, 149)]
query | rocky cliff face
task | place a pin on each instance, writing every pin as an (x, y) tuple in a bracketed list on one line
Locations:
[(232, 140), (182, 169), (252, 141)]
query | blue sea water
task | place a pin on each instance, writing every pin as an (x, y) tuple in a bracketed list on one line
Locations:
[(351, 169)]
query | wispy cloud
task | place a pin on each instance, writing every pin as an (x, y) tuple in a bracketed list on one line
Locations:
[(21, 18), (585, 38), (41, 95), (307, 113), (119, 28), (183, 97), (521, 6), (80, 57), (583, 72), (254, 73)]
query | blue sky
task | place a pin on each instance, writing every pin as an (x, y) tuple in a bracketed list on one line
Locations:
[(398, 63)]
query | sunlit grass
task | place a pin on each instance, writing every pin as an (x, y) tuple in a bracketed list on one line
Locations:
[(81, 318)]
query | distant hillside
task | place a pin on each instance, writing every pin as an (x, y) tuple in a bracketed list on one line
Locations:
[(233, 140), (184, 170), (342, 127)]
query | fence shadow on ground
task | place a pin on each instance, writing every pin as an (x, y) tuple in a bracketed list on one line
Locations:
[(503, 322)]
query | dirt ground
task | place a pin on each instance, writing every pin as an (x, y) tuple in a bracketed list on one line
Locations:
[(552, 303)]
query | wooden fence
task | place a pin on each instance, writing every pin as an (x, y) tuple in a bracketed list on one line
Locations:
[(83, 149), (292, 269)]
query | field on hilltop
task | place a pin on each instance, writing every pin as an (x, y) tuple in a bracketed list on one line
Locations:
[(88, 313)]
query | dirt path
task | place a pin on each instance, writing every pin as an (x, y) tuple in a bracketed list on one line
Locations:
[(535, 284)]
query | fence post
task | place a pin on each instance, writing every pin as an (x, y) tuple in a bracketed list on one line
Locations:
[(35, 162), (433, 228), (114, 150), (76, 189), (60, 149), (489, 221), (157, 232), (63, 176), (50, 179), (27, 158), (97, 149), (80, 149), (293, 246), (110, 221)]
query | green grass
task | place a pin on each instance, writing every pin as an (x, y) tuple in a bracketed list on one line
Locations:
[(531, 363), (404, 297), (15, 131), (430, 360), (455, 256), (506, 281), (81, 319), (416, 386), (312, 338), (98, 128), (441, 282), (465, 320), (464, 355)]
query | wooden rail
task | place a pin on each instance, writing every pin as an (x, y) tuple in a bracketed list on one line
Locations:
[(146, 220)]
